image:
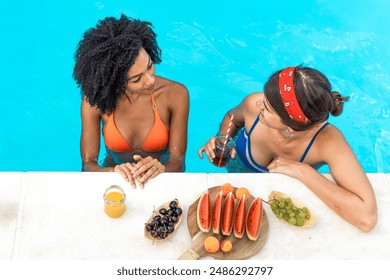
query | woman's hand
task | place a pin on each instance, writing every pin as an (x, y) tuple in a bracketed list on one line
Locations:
[(286, 166), (126, 170), (142, 171), (209, 149), (146, 168)]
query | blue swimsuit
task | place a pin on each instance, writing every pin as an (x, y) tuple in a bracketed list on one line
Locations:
[(243, 148)]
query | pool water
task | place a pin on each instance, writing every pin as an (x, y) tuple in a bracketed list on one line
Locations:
[(221, 52)]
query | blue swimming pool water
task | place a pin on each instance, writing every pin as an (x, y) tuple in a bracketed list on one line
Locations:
[(220, 51)]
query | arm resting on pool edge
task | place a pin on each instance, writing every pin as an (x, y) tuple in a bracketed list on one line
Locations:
[(351, 195)]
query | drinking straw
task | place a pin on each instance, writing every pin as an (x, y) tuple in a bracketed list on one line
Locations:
[(226, 139)]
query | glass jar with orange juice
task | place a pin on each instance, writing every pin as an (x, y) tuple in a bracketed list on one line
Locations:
[(114, 201)]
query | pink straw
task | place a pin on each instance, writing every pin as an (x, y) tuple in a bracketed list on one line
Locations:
[(226, 139)]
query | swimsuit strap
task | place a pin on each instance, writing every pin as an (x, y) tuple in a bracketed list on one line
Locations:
[(312, 141), (154, 104), (244, 152), (254, 125), (158, 137), (157, 117)]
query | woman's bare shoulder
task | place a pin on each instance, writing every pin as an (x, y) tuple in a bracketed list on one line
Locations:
[(331, 134), (331, 142), (89, 110), (171, 86), (172, 92), (90, 115), (251, 101)]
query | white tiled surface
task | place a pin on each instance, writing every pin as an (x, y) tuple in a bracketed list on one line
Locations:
[(61, 217), (9, 204), (331, 237)]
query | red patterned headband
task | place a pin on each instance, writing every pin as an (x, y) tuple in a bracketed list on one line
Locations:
[(287, 92)]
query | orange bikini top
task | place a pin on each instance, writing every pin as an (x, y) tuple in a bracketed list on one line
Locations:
[(156, 140)]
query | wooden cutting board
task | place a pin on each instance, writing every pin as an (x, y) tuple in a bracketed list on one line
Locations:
[(242, 247)]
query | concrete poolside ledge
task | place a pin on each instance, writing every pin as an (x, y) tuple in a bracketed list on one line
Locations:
[(59, 215)]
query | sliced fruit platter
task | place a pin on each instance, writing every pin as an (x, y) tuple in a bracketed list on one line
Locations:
[(227, 223)]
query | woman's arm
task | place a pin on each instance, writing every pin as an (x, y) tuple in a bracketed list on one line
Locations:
[(351, 196), (178, 130), (241, 111), (90, 138)]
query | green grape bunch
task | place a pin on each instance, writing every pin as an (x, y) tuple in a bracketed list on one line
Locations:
[(286, 210)]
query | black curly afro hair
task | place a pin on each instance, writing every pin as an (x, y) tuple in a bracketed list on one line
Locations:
[(105, 54)]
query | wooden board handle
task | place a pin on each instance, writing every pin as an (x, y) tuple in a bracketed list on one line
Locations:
[(197, 249), (189, 255)]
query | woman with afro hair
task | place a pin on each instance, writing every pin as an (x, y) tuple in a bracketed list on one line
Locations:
[(143, 117)]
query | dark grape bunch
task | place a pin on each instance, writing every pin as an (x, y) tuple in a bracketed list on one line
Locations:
[(286, 210), (163, 223)]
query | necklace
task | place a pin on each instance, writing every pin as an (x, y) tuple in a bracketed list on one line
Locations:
[(288, 133)]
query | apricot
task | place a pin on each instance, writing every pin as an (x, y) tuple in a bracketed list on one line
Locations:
[(226, 188), (226, 246), (211, 244), (241, 191)]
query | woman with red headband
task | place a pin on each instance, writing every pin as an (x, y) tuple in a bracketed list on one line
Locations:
[(285, 130)]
